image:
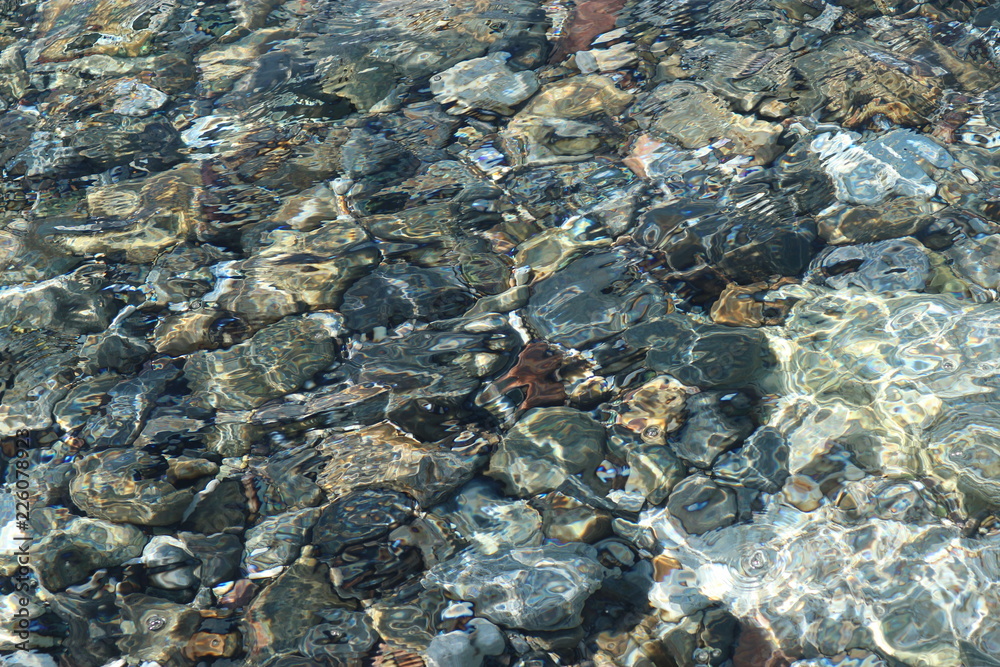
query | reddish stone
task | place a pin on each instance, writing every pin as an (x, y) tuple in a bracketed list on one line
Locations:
[(535, 370), (590, 19)]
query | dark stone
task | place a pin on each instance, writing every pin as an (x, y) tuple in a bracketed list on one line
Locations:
[(365, 516), (745, 247), (593, 298), (720, 357), (93, 624), (672, 335), (225, 508), (115, 351), (717, 422), (718, 635), (762, 462), (219, 555), (703, 355), (121, 419), (395, 293), (287, 481), (106, 140), (379, 159), (701, 505), (429, 390)]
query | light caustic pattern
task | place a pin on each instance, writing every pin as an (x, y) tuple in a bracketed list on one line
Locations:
[(903, 385)]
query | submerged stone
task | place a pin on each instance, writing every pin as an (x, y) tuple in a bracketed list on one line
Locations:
[(900, 264), (275, 361), (716, 422), (702, 506), (384, 455), (761, 463), (593, 298), (694, 117), (545, 447), (541, 589), (484, 83), (127, 486), (892, 164), (81, 545), (276, 541), (447, 332)]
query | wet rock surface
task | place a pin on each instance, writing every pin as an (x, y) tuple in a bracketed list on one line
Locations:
[(594, 298), (458, 334), (880, 267), (124, 485), (545, 447), (535, 589), (701, 506), (80, 546)]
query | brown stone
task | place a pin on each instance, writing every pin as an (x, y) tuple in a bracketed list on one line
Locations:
[(211, 645), (748, 306), (587, 20), (535, 371), (579, 96)]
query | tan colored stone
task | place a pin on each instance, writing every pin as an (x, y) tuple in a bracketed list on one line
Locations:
[(579, 96)]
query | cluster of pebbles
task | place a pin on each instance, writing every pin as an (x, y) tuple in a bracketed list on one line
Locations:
[(446, 333)]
